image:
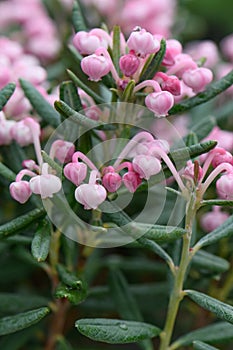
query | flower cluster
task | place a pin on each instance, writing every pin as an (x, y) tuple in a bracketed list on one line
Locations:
[(179, 75)]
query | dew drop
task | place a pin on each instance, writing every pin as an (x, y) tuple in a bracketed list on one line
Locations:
[(123, 326)]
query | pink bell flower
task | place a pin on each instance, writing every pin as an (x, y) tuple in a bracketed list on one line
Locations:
[(131, 180), (96, 66), (129, 64), (20, 191), (75, 172), (197, 78), (213, 219), (173, 48), (224, 186), (62, 150), (143, 43), (5, 130), (111, 181), (221, 156), (45, 185), (88, 43), (22, 133), (159, 103), (146, 166)]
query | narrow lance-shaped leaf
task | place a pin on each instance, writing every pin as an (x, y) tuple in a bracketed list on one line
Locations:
[(82, 85), (77, 17), (116, 331), (7, 173), (69, 278), (220, 202), (153, 67), (223, 231), (77, 117), (75, 296), (191, 139), (212, 91), (12, 303), (11, 324), (42, 107), (159, 233), (12, 227), (216, 333), (210, 262), (220, 309), (199, 345), (41, 241), (69, 94), (116, 50), (6, 93), (128, 92)]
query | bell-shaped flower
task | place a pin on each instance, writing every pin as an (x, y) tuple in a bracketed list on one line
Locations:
[(159, 103), (90, 195), (224, 186), (111, 181), (143, 43), (129, 64), (198, 78), (96, 66), (20, 191), (146, 166), (75, 172), (87, 43), (213, 219), (132, 181)]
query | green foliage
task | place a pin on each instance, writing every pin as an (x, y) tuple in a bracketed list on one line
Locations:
[(5, 94), (199, 345), (41, 241)]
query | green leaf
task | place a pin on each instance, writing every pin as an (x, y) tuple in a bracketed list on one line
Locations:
[(193, 151), (62, 344), (75, 296), (153, 67), (159, 233), (69, 278), (154, 247), (223, 231), (124, 300), (14, 303), (220, 309), (191, 139), (204, 127), (77, 17), (212, 91), (12, 227), (216, 333), (7, 173), (69, 94), (116, 49), (210, 262), (6, 93), (11, 324), (77, 117), (41, 106), (199, 345), (98, 99), (128, 92), (116, 331), (41, 241), (221, 202)]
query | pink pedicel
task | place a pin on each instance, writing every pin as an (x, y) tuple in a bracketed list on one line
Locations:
[(20, 191), (91, 195), (146, 166), (143, 43), (129, 64), (213, 219), (132, 181), (88, 43), (159, 103), (224, 186), (197, 78), (62, 150), (96, 66), (183, 62), (75, 172), (111, 181)]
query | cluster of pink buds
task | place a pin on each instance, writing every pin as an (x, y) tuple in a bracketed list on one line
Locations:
[(211, 220), (179, 75), (139, 160), (41, 182), (38, 31)]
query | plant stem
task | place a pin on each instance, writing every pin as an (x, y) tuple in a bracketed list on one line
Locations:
[(177, 293)]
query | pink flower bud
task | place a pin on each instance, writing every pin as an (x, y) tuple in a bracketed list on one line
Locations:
[(146, 166), (64, 150), (129, 64), (173, 48), (75, 172), (159, 102), (96, 66), (143, 43), (211, 220), (224, 186), (172, 84), (20, 191), (87, 43), (227, 46), (45, 185), (112, 181), (197, 78), (131, 180), (90, 195), (221, 156)]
